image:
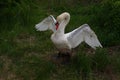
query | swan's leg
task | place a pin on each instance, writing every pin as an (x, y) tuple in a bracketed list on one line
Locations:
[(64, 57), (67, 54)]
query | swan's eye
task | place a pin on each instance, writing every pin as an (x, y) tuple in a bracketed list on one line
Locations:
[(65, 18)]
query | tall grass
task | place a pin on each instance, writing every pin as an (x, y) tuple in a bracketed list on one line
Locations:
[(25, 53)]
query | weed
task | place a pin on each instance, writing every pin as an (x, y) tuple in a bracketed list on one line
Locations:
[(101, 59), (26, 49)]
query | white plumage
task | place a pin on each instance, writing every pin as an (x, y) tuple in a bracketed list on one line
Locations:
[(47, 23), (66, 41)]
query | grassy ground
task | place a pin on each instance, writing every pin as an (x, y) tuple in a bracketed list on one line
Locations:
[(25, 54)]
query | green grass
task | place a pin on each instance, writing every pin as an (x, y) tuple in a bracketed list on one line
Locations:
[(25, 53)]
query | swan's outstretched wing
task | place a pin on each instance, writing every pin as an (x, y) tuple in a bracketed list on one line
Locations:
[(47, 23), (83, 33)]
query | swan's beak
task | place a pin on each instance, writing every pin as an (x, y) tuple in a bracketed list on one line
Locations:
[(57, 25)]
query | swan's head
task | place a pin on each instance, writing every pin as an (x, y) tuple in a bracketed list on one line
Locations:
[(64, 17)]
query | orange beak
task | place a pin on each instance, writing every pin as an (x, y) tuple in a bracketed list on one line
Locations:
[(57, 25)]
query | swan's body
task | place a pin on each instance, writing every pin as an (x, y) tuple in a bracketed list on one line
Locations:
[(65, 42)]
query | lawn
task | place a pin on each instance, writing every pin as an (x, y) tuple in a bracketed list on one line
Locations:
[(25, 54)]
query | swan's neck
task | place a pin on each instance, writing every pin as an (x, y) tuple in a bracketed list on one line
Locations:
[(61, 29), (62, 25)]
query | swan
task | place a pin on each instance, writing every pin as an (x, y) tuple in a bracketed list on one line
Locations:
[(65, 42)]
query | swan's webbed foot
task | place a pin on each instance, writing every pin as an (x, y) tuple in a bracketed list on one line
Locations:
[(62, 58), (64, 55)]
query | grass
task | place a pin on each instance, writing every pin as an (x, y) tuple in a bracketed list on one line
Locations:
[(25, 53)]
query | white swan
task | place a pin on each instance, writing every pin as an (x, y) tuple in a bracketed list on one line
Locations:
[(65, 42)]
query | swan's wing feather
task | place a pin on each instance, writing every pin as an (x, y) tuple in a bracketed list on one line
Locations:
[(91, 38), (47, 23), (75, 37), (83, 33)]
